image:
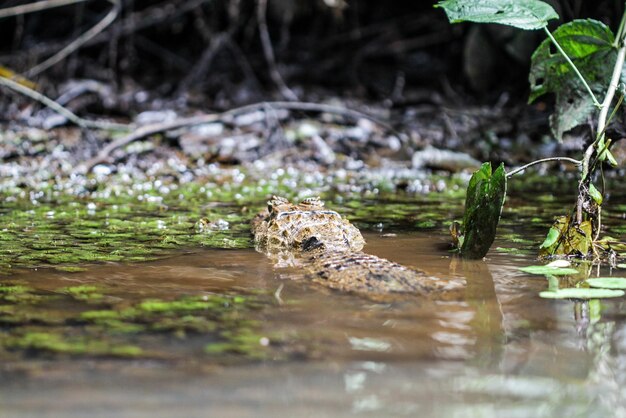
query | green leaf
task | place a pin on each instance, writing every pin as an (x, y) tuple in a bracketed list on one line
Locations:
[(545, 270), (595, 194), (551, 239), (608, 282), (611, 159), (589, 44), (580, 293), (572, 240), (528, 14), (602, 147), (483, 205)]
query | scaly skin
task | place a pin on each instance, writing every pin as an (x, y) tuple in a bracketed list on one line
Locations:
[(326, 247)]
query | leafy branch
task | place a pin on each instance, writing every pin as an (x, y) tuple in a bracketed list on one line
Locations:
[(577, 73)]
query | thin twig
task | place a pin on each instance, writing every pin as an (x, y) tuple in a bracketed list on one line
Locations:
[(78, 42), (152, 129), (69, 115), (23, 9), (543, 160), (268, 51)]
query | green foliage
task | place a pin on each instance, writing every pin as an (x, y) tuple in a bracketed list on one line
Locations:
[(528, 14), (551, 239), (595, 194), (485, 197), (589, 45), (565, 239)]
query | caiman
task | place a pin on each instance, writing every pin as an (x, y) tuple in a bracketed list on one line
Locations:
[(327, 249)]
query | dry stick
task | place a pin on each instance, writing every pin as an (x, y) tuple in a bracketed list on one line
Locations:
[(266, 42), (23, 9), (35, 95), (78, 42), (152, 129), (69, 115), (135, 22)]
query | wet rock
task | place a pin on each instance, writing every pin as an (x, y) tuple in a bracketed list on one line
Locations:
[(439, 159), (323, 153), (155, 116)]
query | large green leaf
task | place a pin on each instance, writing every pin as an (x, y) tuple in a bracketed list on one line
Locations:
[(581, 293), (483, 205), (523, 14), (589, 44), (548, 270), (608, 282)]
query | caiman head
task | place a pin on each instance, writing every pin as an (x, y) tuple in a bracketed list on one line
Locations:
[(303, 227)]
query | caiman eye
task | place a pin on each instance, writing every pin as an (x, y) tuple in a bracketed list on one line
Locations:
[(311, 243), (312, 201), (276, 201)]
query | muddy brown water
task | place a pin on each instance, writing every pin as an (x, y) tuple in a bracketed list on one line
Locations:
[(500, 352)]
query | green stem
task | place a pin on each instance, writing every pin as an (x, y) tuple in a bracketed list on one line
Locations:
[(615, 108), (587, 165), (569, 61), (620, 31), (604, 109), (543, 160)]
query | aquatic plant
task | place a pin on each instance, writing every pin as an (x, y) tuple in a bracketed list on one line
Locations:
[(99, 325), (577, 62)]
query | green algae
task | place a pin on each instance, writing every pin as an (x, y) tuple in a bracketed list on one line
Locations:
[(121, 330), (54, 343), (125, 221), (119, 227), (114, 232), (13, 289), (21, 294), (186, 304), (242, 342), (83, 292)]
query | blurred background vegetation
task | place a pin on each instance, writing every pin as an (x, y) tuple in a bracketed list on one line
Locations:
[(209, 52)]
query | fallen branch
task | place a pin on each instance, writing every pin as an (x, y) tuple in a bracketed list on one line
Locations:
[(227, 116), (68, 114)]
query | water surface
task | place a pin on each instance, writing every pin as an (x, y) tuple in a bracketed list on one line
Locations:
[(500, 351)]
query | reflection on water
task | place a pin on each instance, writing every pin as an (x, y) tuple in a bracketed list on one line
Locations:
[(500, 352)]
